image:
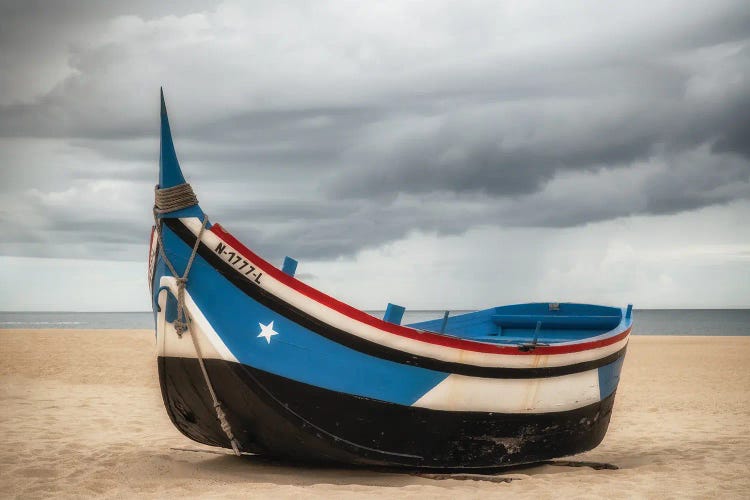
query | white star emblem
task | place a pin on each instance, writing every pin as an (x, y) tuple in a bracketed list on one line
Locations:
[(267, 331)]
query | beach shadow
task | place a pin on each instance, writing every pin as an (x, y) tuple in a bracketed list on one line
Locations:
[(220, 464)]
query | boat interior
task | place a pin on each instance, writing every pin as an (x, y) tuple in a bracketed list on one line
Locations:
[(541, 323)]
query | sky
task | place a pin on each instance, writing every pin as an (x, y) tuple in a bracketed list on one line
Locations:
[(439, 155)]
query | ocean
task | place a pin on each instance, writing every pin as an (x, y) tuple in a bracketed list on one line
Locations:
[(715, 322)]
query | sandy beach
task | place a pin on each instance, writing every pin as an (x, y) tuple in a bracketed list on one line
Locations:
[(81, 415)]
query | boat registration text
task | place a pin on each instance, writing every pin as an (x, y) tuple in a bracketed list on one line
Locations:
[(236, 261)]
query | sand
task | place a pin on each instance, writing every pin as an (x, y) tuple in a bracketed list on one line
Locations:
[(81, 415)]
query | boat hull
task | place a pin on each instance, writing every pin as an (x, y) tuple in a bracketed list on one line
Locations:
[(280, 417)]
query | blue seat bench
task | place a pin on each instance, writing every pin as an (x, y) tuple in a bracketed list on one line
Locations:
[(555, 322)]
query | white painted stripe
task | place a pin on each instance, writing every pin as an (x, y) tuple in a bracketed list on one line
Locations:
[(170, 344), (545, 395), (443, 353)]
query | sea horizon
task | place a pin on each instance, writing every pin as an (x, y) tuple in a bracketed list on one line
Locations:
[(678, 321), (4, 311)]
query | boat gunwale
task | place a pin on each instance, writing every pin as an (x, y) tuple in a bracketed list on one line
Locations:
[(615, 335)]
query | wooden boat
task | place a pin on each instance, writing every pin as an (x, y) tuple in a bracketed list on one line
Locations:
[(253, 359)]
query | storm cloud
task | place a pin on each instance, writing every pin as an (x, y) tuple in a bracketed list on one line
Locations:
[(330, 128)]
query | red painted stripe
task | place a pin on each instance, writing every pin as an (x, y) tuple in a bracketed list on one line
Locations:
[(403, 331)]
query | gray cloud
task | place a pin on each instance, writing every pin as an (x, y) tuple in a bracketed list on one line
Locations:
[(324, 131), (515, 147)]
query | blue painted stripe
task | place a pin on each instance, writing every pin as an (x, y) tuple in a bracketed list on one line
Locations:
[(296, 352), (609, 377), (170, 174)]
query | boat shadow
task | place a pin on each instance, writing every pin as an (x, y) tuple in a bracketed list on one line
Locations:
[(286, 472)]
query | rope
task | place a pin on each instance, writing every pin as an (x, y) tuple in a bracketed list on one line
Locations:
[(170, 200), (166, 201), (223, 422), (180, 325), (174, 198)]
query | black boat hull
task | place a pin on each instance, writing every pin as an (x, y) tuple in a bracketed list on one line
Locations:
[(283, 418)]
